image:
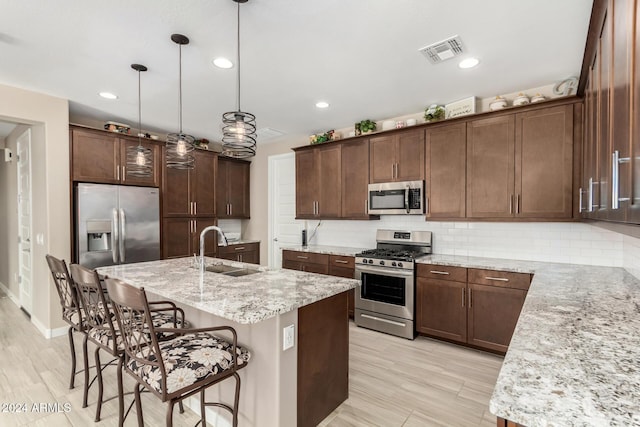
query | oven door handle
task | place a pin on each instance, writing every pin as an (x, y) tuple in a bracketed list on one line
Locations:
[(384, 271)]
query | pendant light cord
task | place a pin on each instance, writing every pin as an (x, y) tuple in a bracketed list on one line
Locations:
[(139, 112), (238, 54), (180, 85)]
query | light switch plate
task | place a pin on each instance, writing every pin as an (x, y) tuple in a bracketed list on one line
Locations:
[(288, 337)]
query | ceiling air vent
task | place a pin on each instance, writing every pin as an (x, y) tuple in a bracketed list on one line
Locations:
[(441, 51), (268, 133)]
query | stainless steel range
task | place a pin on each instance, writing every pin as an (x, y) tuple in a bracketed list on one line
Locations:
[(386, 294)]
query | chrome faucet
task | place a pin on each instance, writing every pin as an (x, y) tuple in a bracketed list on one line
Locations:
[(225, 242)]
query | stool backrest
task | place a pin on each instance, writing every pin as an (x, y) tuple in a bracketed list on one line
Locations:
[(67, 292), (95, 304), (132, 312)]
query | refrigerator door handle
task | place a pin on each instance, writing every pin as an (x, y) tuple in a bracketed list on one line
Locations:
[(115, 236), (123, 235)]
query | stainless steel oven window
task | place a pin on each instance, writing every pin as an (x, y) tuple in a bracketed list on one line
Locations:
[(387, 289)]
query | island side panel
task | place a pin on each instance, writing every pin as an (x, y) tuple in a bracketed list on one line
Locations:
[(268, 383), (323, 358)]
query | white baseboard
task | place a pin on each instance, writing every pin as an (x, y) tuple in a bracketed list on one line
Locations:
[(213, 417), (10, 294), (49, 333)]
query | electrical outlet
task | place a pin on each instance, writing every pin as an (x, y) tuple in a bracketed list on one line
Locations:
[(288, 337)]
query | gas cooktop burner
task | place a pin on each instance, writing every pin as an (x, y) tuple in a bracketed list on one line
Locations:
[(391, 254)]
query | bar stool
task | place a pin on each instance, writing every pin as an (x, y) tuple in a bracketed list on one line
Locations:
[(103, 331), (72, 313), (179, 367)]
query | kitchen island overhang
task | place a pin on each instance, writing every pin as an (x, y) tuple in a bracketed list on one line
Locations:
[(297, 386)]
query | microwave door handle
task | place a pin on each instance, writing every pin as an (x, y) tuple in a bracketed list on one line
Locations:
[(406, 199)]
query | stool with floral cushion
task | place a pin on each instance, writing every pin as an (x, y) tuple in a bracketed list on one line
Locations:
[(72, 313), (176, 368), (103, 331)]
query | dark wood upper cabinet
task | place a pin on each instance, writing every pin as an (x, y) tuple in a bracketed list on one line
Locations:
[(232, 188), (190, 192), (544, 163), (604, 137), (101, 157), (318, 182), (397, 157), (490, 167), (355, 179), (446, 159), (181, 237)]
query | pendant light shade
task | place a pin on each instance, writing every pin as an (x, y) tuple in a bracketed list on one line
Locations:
[(179, 145), (238, 127), (139, 159)]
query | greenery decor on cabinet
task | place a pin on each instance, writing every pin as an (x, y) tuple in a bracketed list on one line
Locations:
[(433, 113), (366, 126)]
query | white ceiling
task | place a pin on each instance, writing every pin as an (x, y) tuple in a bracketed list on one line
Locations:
[(360, 56)]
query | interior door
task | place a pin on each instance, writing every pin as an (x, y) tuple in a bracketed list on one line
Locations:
[(25, 259), (284, 230)]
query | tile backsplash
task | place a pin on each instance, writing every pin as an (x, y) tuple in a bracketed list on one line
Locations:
[(565, 242)]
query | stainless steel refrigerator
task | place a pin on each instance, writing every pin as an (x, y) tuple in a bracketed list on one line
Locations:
[(116, 224)]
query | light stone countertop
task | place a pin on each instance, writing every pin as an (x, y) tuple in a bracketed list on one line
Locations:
[(323, 249), (242, 242), (246, 299), (574, 359)]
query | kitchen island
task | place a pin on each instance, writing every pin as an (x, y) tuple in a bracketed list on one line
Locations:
[(574, 359), (297, 386)]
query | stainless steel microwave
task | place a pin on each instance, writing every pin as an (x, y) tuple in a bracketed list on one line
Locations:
[(397, 198)]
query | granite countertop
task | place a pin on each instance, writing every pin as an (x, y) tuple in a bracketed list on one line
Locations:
[(242, 242), (574, 359), (246, 299), (323, 249)]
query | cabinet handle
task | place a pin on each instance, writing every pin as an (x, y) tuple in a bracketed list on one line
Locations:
[(124, 174), (517, 204), (230, 209), (303, 257), (393, 170), (470, 293), (446, 273), (463, 298), (195, 208), (498, 279), (240, 248), (426, 201), (118, 173), (511, 204), (615, 180), (580, 200), (339, 261), (366, 207), (590, 198)]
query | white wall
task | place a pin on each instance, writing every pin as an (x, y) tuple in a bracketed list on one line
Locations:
[(631, 255), (49, 119)]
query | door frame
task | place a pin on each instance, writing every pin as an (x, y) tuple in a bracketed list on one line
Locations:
[(271, 177), (25, 304)]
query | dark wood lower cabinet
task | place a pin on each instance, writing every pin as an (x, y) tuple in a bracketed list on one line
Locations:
[(441, 310), (323, 359), (493, 314), (471, 306), (501, 422), (241, 252)]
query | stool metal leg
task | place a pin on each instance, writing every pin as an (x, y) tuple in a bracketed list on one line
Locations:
[(73, 358), (100, 387), (120, 393), (139, 406), (170, 413), (86, 371)]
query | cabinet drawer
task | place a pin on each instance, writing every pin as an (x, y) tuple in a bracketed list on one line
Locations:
[(442, 272), (234, 249), (342, 261), (309, 257), (500, 278)]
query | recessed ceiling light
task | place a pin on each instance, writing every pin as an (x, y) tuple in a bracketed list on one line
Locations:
[(222, 63), (322, 104), (108, 95), (468, 63)]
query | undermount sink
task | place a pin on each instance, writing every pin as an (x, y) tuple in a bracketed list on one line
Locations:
[(241, 272), (220, 268), (229, 270)]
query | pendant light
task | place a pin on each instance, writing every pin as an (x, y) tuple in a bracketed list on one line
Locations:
[(238, 127), (139, 158), (179, 145)]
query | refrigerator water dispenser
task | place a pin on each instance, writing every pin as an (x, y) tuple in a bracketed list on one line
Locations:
[(99, 235)]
